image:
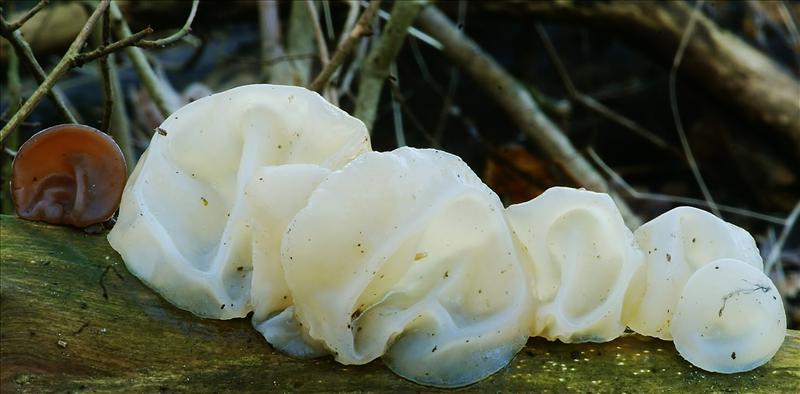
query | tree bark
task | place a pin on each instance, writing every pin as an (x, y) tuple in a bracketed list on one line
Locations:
[(74, 319)]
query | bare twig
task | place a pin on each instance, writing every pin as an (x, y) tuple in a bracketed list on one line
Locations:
[(519, 104), (673, 100), (182, 32), (402, 103), (350, 21), (10, 144), (355, 65), (359, 30), (381, 56), (132, 40), (120, 126), (631, 191), (28, 15), (794, 34), (775, 253), (326, 12), (14, 84), (269, 26), (397, 114), (292, 65), (452, 83), (424, 70), (58, 71), (105, 79), (347, 27), (25, 53), (322, 47), (299, 41), (149, 79), (594, 105), (411, 30), (114, 120)]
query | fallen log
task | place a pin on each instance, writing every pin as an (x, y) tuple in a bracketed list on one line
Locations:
[(74, 319)]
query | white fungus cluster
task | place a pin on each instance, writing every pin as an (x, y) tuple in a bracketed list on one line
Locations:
[(267, 199)]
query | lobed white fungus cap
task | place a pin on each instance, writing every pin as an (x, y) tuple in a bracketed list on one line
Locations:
[(585, 263), (729, 318), (676, 244), (183, 226), (274, 196), (407, 254)]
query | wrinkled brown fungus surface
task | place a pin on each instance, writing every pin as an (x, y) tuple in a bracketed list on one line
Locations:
[(68, 174)]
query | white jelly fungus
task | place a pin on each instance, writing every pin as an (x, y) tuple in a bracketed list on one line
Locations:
[(267, 199), (675, 245), (584, 263), (729, 318), (183, 226), (274, 195), (407, 255)]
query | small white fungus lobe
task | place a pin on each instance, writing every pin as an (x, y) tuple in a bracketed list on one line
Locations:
[(585, 263), (675, 245), (729, 319)]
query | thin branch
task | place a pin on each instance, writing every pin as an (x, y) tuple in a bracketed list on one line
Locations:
[(631, 191), (359, 30), (347, 27), (148, 76), (355, 66), (289, 64), (114, 121), (519, 105), (13, 81), (673, 100), (402, 102), (321, 45), (775, 253), (411, 30), (594, 105), (133, 40), (791, 26), (424, 70), (105, 79), (28, 15), (452, 82), (299, 40), (350, 21), (269, 26), (58, 71), (25, 53), (381, 56), (11, 143), (120, 126), (326, 12), (397, 115), (167, 41)]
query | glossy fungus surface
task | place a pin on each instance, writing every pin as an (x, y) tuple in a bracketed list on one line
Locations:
[(68, 174), (729, 318)]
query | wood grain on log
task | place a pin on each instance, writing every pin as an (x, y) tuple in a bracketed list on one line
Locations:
[(74, 319)]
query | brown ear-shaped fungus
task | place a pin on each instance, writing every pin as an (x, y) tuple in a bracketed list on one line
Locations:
[(68, 174)]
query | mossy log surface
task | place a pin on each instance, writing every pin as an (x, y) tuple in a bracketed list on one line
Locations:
[(74, 320)]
